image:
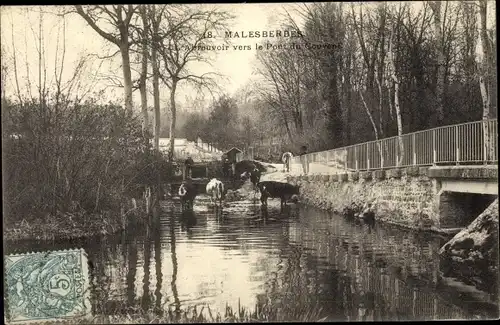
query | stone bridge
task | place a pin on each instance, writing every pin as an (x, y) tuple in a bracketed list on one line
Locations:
[(441, 178), (440, 198)]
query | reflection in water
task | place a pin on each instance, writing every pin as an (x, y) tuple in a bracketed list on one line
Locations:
[(264, 212), (174, 265), (158, 262), (310, 263), (146, 297), (132, 267), (188, 221)]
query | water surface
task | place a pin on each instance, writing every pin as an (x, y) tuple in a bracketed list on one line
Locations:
[(301, 259)]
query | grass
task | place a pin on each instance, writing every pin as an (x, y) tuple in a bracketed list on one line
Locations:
[(69, 225), (206, 315)]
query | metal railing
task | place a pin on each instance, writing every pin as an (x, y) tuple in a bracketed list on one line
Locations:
[(447, 145)]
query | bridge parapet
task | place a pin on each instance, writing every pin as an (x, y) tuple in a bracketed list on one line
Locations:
[(461, 144), (434, 198), (486, 172)]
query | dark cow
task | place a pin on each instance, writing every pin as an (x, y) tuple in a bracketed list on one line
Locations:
[(248, 166), (283, 191), (254, 176), (187, 193)]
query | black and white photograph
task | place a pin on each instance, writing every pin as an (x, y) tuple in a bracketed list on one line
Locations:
[(250, 162)]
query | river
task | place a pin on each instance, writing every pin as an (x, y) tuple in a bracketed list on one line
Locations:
[(300, 260)]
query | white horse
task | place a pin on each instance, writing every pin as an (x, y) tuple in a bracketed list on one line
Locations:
[(215, 189), (287, 156)]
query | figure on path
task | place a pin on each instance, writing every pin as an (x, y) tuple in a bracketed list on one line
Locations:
[(188, 167), (287, 156)]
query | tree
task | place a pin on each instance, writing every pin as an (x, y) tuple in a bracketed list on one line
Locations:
[(397, 107), (222, 123), (144, 70), (436, 8), (118, 16), (179, 43), (193, 128), (484, 79), (155, 24)]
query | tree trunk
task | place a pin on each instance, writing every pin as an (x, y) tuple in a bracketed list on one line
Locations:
[(396, 101), (127, 75), (483, 70), (370, 116), (172, 119), (348, 91), (334, 112), (380, 108), (436, 7), (144, 73), (156, 83)]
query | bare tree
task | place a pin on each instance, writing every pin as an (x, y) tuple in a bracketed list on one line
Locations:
[(179, 43), (484, 79), (373, 52), (279, 96), (436, 8), (14, 64), (155, 26), (118, 16), (144, 70), (395, 80)]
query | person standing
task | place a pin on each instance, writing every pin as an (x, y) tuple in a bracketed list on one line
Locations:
[(304, 159), (225, 166), (286, 160), (188, 167)]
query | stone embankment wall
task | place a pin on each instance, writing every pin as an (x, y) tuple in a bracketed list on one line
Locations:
[(403, 196)]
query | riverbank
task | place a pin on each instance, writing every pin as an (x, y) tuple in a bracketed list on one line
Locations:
[(71, 225), (205, 314)]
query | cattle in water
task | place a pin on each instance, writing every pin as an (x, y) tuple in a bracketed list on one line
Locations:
[(187, 194), (249, 166), (254, 176), (215, 189), (283, 191)]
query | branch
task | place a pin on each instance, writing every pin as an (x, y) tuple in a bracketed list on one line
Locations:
[(106, 56), (94, 26)]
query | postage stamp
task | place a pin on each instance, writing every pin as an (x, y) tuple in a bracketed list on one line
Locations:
[(47, 286)]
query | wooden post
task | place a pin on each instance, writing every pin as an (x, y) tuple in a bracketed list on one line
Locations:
[(485, 141), (414, 150), (368, 156), (457, 145), (397, 153), (356, 157), (345, 159), (380, 147)]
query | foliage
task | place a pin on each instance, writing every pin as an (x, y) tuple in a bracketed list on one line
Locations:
[(344, 92), (78, 157)]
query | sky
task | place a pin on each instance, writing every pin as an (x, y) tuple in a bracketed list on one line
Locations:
[(20, 29), (80, 39)]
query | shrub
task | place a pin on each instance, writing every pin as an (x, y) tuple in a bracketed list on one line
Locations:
[(70, 157)]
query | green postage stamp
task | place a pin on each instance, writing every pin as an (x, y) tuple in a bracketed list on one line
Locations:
[(47, 286)]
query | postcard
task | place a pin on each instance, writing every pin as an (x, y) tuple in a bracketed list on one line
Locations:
[(250, 162)]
